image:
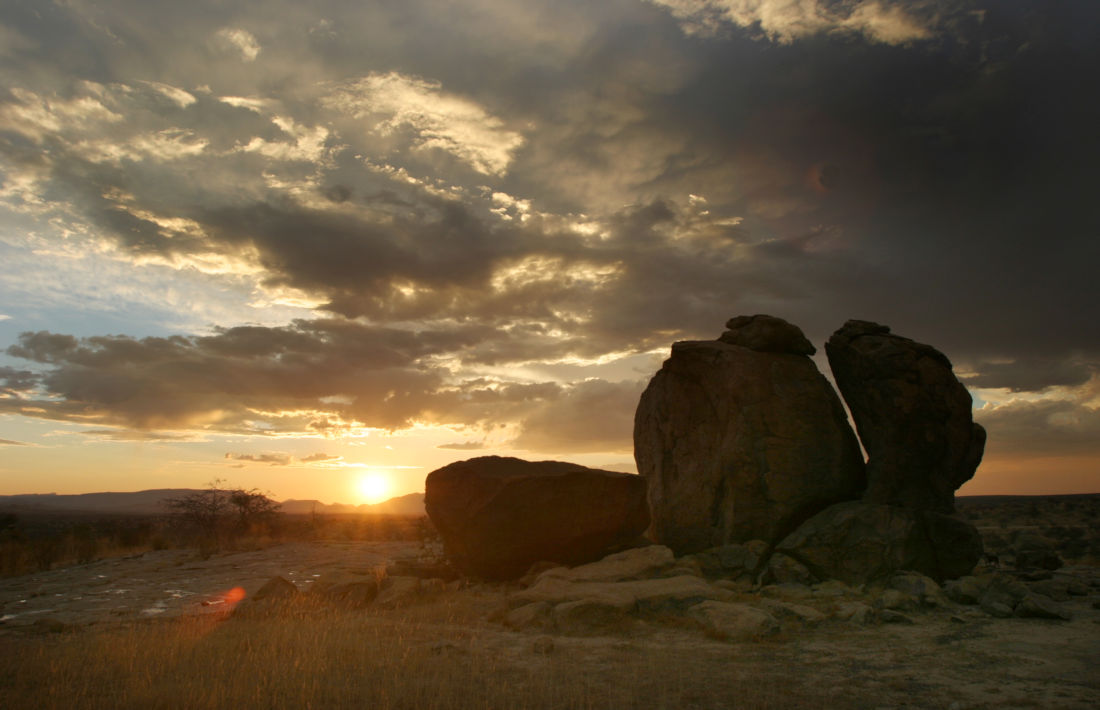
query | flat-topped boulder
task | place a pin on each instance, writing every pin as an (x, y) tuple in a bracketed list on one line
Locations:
[(497, 516), (742, 439)]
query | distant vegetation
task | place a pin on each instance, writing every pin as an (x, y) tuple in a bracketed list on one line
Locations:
[(209, 521)]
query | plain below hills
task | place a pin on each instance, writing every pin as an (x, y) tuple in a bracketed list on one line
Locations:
[(151, 502)]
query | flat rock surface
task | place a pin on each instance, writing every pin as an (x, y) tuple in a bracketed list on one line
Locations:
[(170, 583)]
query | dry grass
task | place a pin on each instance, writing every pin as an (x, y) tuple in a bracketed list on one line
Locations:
[(426, 657)]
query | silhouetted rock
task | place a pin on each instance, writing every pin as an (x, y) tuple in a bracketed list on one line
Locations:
[(857, 542), (497, 516), (913, 416), (742, 438), (766, 334)]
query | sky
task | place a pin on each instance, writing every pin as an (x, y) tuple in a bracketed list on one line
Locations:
[(323, 249)]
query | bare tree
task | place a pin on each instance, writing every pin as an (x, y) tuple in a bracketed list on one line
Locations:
[(214, 514)]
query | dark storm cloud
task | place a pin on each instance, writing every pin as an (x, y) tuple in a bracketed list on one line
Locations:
[(13, 381), (1049, 427), (1033, 375), (927, 165), (322, 376)]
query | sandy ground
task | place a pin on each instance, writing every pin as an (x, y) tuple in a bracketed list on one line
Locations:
[(955, 657)]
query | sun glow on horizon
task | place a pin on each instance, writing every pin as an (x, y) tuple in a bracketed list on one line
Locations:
[(372, 487)]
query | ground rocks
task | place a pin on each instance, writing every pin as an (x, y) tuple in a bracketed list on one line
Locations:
[(913, 416), (742, 438), (734, 621), (856, 542), (497, 516)]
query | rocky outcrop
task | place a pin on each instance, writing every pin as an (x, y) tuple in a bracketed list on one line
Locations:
[(912, 414), (742, 438), (856, 542), (497, 516)]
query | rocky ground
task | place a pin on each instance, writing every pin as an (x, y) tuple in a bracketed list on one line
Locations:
[(996, 639)]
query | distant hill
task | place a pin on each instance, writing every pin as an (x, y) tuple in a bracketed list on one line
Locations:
[(151, 503)]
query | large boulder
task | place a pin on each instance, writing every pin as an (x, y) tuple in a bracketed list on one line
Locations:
[(497, 516), (859, 542), (913, 416), (742, 438)]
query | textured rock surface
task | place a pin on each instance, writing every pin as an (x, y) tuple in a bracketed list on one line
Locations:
[(913, 416), (738, 443), (733, 621), (857, 542), (497, 516), (638, 563)]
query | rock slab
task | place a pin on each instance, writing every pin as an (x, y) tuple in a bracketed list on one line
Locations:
[(497, 516), (742, 438), (912, 414), (857, 542)]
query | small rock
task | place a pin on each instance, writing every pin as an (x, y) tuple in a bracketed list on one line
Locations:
[(533, 615), (788, 590), (920, 587), (894, 600), (801, 612), (353, 591), (397, 591), (965, 590), (997, 609), (784, 569), (889, 616), (733, 621), (1076, 588), (276, 588), (1036, 606), (535, 571), (588, 616), (856, 613), (741, 585), (637, 563), (833, 588)]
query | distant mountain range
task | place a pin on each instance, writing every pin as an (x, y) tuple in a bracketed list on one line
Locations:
[(152, 503)]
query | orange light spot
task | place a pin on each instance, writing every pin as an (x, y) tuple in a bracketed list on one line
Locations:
[(234, 595)]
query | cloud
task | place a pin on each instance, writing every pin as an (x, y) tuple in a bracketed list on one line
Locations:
[(132, 435), (463, 446), (593, 415), (320, 458), (240, 40), (272, 459), (9, 442), (1032, 374), (438, 120), (788, 20), (1046, 427)]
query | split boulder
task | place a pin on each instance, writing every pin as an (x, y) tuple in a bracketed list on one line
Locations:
[(912, 414), (741, 438)]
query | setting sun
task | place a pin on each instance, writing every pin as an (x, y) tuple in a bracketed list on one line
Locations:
[(373, 488)]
